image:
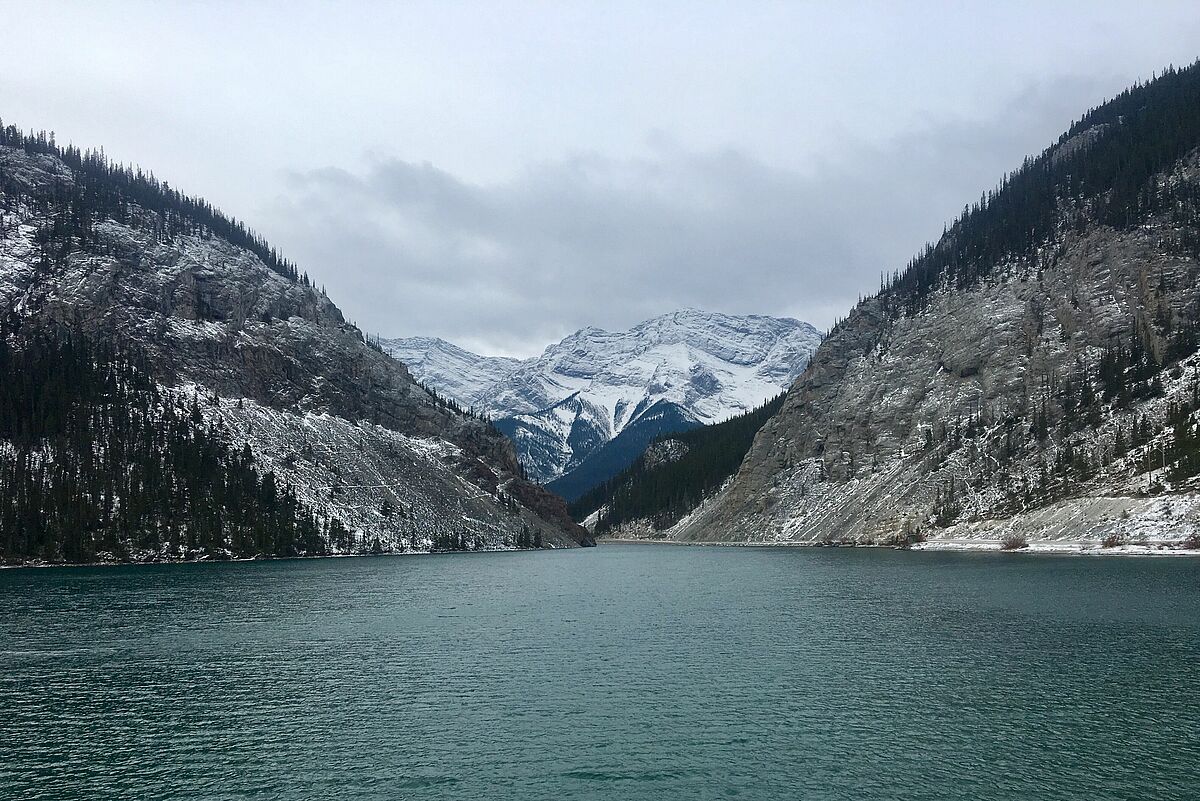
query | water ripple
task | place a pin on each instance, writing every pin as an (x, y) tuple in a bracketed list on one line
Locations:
[(619, 672)]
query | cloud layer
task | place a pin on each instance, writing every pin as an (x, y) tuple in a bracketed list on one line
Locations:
[(596, 240), (588, 163)]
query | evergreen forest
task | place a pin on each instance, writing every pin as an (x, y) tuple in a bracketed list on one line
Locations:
[(1107, 169), (663, 493), (98, 461)]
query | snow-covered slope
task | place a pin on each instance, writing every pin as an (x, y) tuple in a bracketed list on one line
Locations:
[(457, 374), (689, 367)]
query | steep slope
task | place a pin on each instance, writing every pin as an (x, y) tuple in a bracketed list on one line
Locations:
[(455, 373), (589, 404), (612, 457), (119, 258), (671, 477), (1034, 375), (98, 463)]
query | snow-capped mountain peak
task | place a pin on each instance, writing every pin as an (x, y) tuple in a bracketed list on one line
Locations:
[(595, 385)]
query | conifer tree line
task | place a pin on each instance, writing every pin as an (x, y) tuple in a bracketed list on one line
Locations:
[(1113, 180), (103, 190), (664, 493), (456, 407), (96, 460), (525, 539)]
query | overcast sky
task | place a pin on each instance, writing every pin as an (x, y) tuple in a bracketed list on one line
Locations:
[(501, 174)]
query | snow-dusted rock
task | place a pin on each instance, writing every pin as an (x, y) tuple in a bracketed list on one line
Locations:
[(455, 373), (850, 456)]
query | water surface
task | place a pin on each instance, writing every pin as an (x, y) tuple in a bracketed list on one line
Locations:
[(619, 672)]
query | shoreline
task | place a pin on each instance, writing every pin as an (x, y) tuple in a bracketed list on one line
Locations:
[(1155, 548), (244, 559), (1164, 548)]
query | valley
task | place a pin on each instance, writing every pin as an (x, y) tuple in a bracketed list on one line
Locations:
[(1032, 377)]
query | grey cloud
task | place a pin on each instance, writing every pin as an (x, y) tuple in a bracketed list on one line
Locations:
[(594, 240)]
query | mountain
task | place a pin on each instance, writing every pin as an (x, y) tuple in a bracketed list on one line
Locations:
[(589, 405), (457, 374), (1033, 375), (200, 319), (610, 458), (671, 477)]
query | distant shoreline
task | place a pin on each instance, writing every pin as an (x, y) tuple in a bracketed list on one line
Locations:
[(1046, 547), (1041, 547)]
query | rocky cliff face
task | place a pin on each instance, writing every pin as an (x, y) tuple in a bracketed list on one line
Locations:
[(1054, 397), (278, 355), (847, 458)]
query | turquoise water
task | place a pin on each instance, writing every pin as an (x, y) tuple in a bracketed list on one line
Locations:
[(619, 672)]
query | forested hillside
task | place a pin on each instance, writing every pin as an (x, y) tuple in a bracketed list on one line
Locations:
[(318, 441), (97, 461), (1110, 168), (674, 475), (96, 189)]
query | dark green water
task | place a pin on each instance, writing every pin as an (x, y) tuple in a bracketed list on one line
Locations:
[(621, 672)]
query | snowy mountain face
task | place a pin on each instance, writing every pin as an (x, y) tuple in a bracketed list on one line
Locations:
[(595, 387), (455, 373), (276, 362)]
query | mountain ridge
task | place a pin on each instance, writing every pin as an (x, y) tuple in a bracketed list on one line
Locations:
[(459, 374), (593, 386)]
